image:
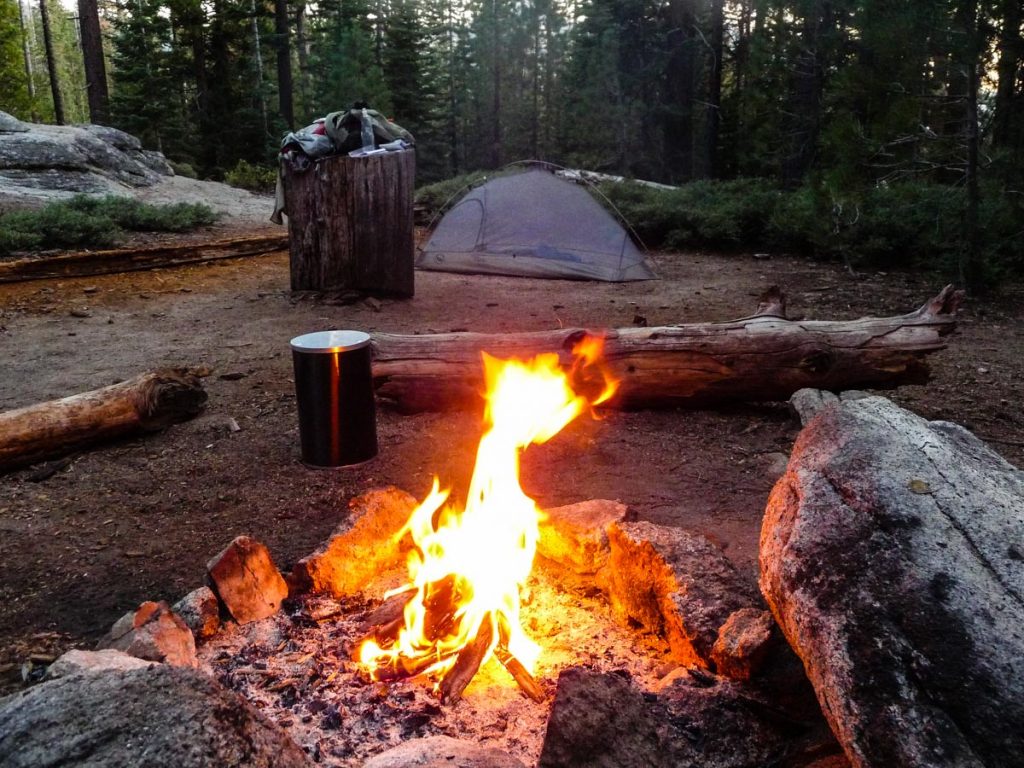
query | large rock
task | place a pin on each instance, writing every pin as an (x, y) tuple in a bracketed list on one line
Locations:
[(576, 536), (107, 660), (442, 752), (603, 720), (247, 581), (365, 544), (200, 610), (146, 718), (155, 633), (45, 163), (892, 556), (674, 583)]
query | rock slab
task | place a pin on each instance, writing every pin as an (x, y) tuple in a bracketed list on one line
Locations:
[(200, 610), (603, 720), (155, 633), (892, 557), (247, 581), (366, 543), (149, 718), (674, 583), (107, 660), (442, 752), (743, 643)]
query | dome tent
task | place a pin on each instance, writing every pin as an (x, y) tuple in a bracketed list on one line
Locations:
[(533, 224)]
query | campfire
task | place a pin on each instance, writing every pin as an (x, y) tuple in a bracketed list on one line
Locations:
[(470, 563)]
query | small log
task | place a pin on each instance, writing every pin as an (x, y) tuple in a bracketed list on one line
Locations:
[(758, 358), (392, 609), (520, 674), (351, 225), (468, 663), (406, 668), (89, 263), (146, 403)]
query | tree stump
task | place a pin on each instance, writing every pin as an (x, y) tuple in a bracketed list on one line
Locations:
[(350, 224)]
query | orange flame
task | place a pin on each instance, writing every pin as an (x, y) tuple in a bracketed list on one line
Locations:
[(469, 565)]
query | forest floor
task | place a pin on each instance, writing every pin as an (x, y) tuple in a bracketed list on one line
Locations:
[(138, 520)]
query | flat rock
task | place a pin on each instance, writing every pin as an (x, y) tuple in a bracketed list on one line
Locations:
[(107, 660), (892, 557), (365, 544), (603, 720), (442, 752), (155, 633), (150, 718), (576, 536), (674, 583), (808, 403), (200, 610), (247, 581), (743, 643)]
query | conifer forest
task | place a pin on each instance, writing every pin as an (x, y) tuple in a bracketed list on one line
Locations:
[(866, 110)]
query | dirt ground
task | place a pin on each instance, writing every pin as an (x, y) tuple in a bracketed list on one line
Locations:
[(138, 520)]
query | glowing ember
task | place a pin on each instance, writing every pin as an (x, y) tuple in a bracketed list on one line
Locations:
[(469, 565)]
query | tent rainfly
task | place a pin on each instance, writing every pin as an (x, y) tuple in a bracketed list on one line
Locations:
[(533, 224)]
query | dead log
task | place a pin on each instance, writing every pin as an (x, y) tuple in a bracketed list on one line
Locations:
[(351, 225), (759, 358), (88, 263), (145, 403)]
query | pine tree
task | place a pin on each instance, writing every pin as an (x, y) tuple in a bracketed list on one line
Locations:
[(14, 94)]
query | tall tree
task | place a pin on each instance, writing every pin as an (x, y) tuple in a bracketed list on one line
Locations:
[(1008, 127), (51, 63), (14, 94), (282, 43), (93, 59)]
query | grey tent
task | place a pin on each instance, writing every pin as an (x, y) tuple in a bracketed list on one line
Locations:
[(533, 224)]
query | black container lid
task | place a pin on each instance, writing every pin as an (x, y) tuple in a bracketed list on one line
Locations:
[(330, 341)]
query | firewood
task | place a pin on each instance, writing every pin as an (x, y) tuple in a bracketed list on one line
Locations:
[(87, 263), (757, 358), (468, 662), (520, 674), (145, 403), (391, 610)]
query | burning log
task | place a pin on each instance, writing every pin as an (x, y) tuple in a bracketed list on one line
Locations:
[(757, 358), (468, 662), (145, 403)]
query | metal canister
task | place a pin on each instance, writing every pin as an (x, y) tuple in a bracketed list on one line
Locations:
[(334, 391)]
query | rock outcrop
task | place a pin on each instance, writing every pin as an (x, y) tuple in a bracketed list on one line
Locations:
[(157, 716), (892, 557)]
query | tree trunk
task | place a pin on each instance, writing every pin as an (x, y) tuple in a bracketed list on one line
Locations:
[(92, 57), (715, 87), (284, 63), (804, 122), (145, 403), (26, 51), (350, 224), (496, 85), (1007, 125), (258, 60), (680, 78), (51, 64), (968, 263), (763, 357)]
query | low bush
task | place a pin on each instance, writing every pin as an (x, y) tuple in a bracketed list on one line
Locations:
[(94, 222), (255, 178), (437, 197)]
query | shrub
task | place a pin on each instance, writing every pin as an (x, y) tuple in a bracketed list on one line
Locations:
[(437, 197), (255, 178), (95, 222), (184, 169)]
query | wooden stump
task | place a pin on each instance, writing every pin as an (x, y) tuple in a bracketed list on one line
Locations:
[(350, 224)]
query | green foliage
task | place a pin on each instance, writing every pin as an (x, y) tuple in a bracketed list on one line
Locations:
[(437, 197), (94, 222), (13, 79), (184, 169), (255, 178)]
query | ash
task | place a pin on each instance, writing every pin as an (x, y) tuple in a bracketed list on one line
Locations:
[(296, 667)]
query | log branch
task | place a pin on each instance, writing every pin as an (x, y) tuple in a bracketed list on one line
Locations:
[(468, 663), (759, 358), (146, 403), (520, 674)]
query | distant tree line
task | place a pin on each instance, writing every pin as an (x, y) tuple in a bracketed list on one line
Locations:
[(839, 95)]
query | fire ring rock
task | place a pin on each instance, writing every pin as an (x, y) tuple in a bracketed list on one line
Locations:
[(442, 752), (157, 716), (247, 581), (155, 633), (892, 556)]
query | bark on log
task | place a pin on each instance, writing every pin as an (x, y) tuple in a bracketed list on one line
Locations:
[(89, 263), (350, 224), (757, 358), (145, 403), (892, 556)]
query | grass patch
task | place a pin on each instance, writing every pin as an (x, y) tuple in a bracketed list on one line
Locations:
[(95, 222)]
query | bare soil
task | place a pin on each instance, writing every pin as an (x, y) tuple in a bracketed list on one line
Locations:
[(139, 519)]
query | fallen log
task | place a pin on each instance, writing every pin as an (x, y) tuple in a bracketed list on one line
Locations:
[(758, 358), (88, 263), (891, 556), (146, 403)]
